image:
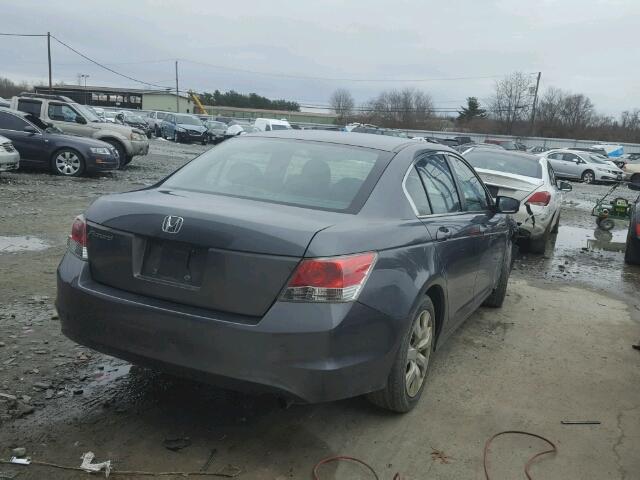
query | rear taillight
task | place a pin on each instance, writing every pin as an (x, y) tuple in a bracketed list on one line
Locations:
[(540, 198), (77, 243), (638, 229), (337, 279)]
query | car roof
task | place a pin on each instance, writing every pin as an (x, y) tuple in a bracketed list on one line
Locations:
[(366, 140), (15, 112)]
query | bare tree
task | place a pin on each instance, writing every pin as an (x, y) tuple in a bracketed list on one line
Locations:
[(342, 103), (577, 111), (407, 108), (511, 100), (550, 105)]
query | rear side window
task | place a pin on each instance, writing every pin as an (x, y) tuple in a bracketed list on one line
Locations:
[(473, 191), (30, 106), (441, 188), (415, 191), (307, 174), (11, 122)]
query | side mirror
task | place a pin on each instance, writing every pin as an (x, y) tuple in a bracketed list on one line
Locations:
[(564, 186), (81, 120), (507, 204), (30, 129)]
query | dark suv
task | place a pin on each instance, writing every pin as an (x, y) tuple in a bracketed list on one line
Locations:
[(42, 145)]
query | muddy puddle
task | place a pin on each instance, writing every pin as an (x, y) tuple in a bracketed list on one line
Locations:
[(585, 255), (22, 244)]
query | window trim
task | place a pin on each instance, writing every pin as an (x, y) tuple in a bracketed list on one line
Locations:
[(455, 180)]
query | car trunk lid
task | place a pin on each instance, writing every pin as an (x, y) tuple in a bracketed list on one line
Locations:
[(509, 184), (228, 254)]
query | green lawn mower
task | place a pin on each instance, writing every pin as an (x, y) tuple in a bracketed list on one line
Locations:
[(610, 208)]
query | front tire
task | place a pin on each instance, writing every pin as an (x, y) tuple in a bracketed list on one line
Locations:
[(407, 378), (176, 139), (68, 163), (122, 153), (588, 177)]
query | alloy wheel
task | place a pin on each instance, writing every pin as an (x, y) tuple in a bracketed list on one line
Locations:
[(588, 177), (68, 163), (419, 353)]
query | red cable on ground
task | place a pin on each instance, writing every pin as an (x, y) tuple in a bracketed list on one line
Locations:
[(339, 458), (554, 449)]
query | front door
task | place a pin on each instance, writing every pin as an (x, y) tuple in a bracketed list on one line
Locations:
[(68, 120), (456, 237)]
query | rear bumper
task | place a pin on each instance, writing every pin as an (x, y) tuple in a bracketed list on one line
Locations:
[(312, 352), (530, 229)]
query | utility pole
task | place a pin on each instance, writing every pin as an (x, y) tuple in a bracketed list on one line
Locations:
[(535, 102), (177, 91), (49, 55)]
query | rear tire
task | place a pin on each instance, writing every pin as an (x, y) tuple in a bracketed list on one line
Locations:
[(496, 299), (538, 245), (588, 176), (632, 252), (122, 153), (556, 226), (410, 369), (606, 224)]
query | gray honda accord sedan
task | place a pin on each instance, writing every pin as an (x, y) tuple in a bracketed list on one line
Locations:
[(321, 265)]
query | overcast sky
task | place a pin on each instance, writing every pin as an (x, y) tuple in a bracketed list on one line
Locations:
[(582, 46)]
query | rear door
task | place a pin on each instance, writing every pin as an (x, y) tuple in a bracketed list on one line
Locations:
[(68, 120), (457, 238), (559, 165), (31, 146), (489, 228)]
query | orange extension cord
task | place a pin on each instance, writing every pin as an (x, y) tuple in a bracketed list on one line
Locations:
[(554, 449)]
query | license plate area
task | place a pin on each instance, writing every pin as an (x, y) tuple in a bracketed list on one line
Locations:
[(173, 262)]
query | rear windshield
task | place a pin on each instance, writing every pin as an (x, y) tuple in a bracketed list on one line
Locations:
[(307, 174), (504, 162)]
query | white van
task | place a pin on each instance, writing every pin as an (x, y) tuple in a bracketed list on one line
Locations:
[(268, 124)]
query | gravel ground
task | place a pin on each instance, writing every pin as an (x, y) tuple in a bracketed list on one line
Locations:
[(560, 348)]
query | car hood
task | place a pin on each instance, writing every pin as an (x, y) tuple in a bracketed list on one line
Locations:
[(186, 126), (77, 140)]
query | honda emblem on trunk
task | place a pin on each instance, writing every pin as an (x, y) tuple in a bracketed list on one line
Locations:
[(172, 224)]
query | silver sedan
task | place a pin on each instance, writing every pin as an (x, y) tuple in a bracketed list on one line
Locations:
[(9, 156)]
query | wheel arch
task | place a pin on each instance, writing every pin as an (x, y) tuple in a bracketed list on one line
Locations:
[(435, 290)]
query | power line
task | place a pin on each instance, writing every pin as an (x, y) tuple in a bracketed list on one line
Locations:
[(308, 77), (105, 67), (23, 34)]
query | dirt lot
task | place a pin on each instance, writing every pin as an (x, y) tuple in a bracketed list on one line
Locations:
[(560, 349)]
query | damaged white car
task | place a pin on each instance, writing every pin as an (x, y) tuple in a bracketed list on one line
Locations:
[(527, 178)]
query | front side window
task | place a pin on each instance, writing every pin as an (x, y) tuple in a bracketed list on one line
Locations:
[(62, 113), (475, 195), (307, 174), (11, 122), (440, 185), (555, 156)]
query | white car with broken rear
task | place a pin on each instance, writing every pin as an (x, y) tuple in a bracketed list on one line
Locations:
[(529, 179)]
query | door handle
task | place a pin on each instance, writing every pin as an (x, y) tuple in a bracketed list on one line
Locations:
[(443, 233)]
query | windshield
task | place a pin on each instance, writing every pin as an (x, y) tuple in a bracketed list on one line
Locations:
[(599, 161), (135, 119), (37, 121), (211, 124), (86, 112), (188, 120), (504, 162), (307, 174)]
